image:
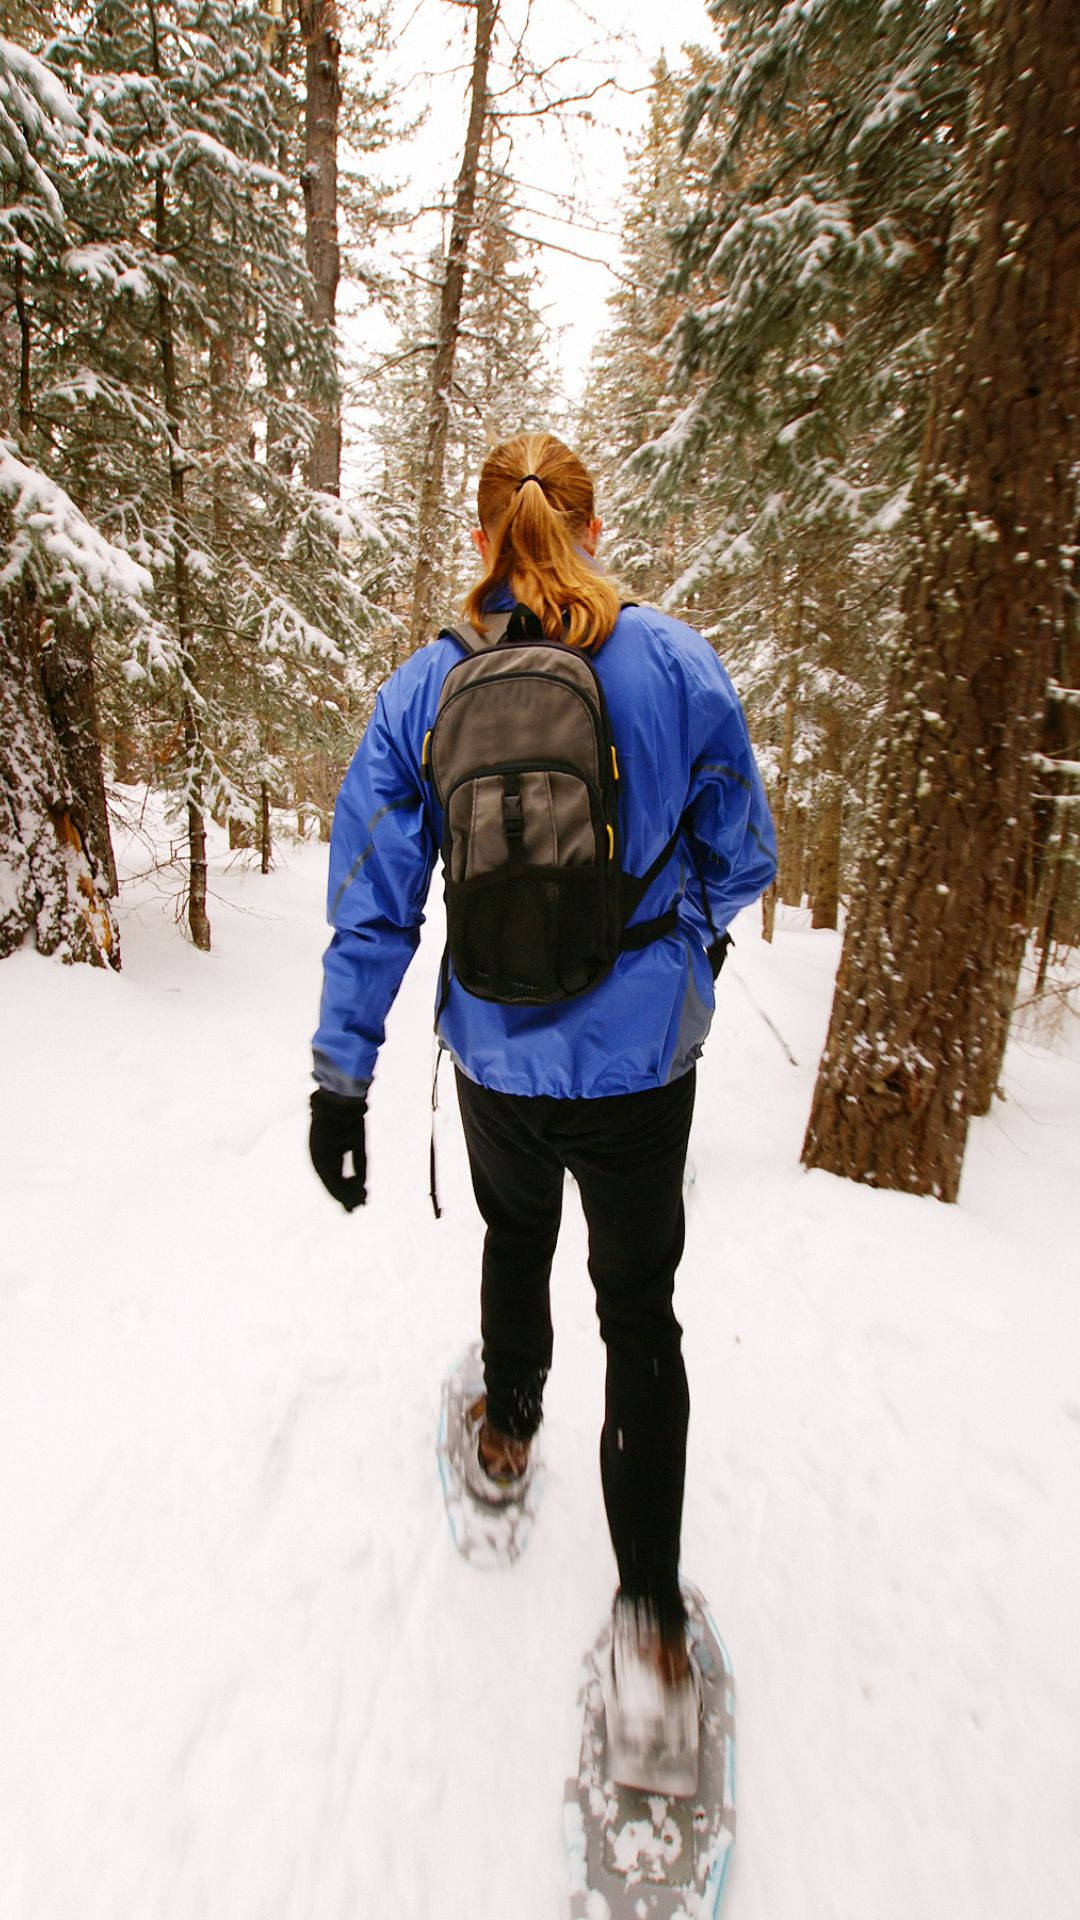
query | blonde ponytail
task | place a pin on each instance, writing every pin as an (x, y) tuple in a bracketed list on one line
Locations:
[(535, 503)]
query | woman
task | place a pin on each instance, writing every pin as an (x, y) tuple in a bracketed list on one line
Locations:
[(601, 1084)]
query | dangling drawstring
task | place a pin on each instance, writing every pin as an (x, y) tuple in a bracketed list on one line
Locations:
[(434, 1190)]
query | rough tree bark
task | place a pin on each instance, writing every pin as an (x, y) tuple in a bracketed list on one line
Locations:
[(322, 105), (951, 816), (442, 369), (53, 889), (67, 675)]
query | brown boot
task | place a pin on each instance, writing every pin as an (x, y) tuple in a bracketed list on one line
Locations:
[(496, 1465)]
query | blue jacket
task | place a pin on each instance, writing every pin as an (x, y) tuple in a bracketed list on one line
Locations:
[(683, 750)]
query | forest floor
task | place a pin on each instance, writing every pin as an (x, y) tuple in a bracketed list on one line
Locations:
[(244, 1675)]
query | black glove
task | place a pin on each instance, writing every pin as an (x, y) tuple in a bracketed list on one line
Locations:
[(337, 1128), (716, 952)]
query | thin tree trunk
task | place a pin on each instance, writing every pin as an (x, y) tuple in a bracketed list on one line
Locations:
[(442, 371), (321, 782), (225, 423), (783, 781), (828, 795), (26, 406), (264, 827), (792, 866), (124, 757), (830, 784), (322, 105), (1057, 741), (825, 876), (278, 449), (198, 920), (1046, 939), (952, 820), (989, 1054)]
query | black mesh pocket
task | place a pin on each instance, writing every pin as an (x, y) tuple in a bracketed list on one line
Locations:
[(528, 936)]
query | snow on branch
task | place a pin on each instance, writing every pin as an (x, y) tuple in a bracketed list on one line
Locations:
[(282, 626), (80, 562), (34, 94), (36, 110), (347, 523), (193, 144), (105, 266), (1045, 763)]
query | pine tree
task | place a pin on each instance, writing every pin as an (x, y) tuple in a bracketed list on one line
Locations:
[(57, 568), (784, 613), (929, 966), (627, 399), (193, 273), (810, 268)]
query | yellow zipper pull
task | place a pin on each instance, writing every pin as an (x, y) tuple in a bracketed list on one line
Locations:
[(614, 761), (610, 842)]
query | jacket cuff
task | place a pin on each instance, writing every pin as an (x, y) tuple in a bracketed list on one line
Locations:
[(335, 1081)]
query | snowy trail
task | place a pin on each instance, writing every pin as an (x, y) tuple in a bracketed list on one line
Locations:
[(243, 1671)]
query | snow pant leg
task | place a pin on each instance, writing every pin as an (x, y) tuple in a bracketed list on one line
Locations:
[(518, 1183), (629, 1169)]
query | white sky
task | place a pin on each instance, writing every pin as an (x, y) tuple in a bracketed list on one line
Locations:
[(618, 40)]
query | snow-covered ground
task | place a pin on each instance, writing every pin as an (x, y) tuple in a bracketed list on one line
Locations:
[(243, 1675)]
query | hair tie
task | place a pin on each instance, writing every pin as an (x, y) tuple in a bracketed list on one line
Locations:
[(530, 476)]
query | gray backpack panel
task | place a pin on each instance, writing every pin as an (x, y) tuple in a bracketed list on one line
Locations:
[(523, 764)]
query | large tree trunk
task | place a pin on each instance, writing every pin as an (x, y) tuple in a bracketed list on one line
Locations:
[(67, 673), (53, 888), (951, 825), (442, 370), (322, 104)]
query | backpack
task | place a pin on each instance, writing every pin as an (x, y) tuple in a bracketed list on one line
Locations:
[(523, 764)]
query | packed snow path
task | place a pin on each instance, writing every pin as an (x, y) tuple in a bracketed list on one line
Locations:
[(244, 1675)]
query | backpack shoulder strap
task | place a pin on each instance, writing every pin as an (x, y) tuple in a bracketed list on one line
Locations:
[(495, 628), (495, 625)]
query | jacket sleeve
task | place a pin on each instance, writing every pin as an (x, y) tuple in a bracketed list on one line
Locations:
[(729, 830), (382, 850)]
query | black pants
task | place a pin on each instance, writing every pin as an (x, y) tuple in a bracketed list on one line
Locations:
[(627, 1154)]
